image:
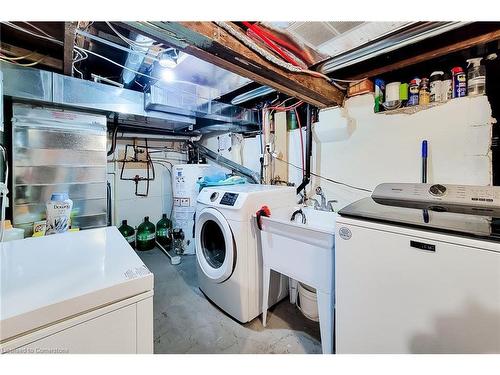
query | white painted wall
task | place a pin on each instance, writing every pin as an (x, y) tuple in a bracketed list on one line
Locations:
[(353, 145), (361, 148), (159, 200)]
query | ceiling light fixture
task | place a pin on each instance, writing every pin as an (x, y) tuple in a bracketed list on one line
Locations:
[(167, 60), (167, 75)]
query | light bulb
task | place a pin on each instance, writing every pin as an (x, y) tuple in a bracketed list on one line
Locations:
[(166, 61), (167, 75)]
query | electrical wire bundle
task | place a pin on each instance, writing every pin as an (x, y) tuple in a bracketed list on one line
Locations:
[(284, 60)]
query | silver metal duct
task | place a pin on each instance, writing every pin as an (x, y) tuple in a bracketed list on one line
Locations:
[(134, 60), (252, 94), (416, 32), (235, 167), (194, 109)]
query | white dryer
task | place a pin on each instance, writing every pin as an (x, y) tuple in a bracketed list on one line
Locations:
[(228, 248), (417, 270)]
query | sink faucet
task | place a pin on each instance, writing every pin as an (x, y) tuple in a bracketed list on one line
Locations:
[(325, 205), (297, 212), (330, 204)]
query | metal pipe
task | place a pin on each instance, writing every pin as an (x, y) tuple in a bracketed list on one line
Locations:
[(307, 175), (163, 137), (407, 34), (114, 45), (235, 167)]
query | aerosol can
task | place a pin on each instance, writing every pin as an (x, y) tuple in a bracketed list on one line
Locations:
[(459, 80)]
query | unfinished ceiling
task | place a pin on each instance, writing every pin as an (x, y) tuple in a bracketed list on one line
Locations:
[(333, 38), (329, 46)]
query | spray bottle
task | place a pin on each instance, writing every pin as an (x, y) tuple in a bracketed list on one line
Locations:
[(476, 77)]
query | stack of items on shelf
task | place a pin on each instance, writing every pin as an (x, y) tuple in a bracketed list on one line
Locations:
[(439, 88)]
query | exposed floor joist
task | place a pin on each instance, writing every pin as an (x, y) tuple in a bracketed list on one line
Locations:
[(13, 51), (211, 43), (69, 42)]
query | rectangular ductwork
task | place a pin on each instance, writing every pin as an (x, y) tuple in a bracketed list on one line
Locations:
[(179, 106)]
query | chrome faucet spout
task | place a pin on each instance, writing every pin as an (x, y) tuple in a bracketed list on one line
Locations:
[(319, 192)]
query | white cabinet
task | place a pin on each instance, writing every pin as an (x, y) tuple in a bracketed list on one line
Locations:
[(125, 327)]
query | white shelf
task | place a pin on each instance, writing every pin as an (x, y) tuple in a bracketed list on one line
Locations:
[(417, 108), (410, 110)]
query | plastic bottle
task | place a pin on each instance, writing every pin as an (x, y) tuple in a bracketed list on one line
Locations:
[(424, 94), (58, 211), (436, 83), (163, 228), (145, 235), (446, 88), (379, 94), (128, 232), (476, 77)]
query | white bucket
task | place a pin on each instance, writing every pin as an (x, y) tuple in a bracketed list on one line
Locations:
[(307, 302)]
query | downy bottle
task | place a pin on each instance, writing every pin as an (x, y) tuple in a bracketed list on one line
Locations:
[(128, 232), (146, 235), (163, 228)]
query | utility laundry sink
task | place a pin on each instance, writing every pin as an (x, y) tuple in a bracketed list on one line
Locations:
[(303, 252)]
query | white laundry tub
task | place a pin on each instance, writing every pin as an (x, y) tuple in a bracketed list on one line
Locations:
[(303, 252)]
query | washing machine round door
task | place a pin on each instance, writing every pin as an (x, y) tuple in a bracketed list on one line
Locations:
[(215, 250)]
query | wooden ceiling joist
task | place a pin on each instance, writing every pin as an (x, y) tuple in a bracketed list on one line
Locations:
[(35, 57), (69, 44), (212, 43)]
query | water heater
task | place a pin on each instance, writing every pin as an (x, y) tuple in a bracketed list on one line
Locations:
[(185, 191)]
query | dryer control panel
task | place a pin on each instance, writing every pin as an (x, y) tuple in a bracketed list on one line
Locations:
[(466, 195)]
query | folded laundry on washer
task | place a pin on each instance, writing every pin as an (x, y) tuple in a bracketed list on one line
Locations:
[(216, 180)]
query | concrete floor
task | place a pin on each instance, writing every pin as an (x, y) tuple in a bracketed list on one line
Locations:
[(185, 321)]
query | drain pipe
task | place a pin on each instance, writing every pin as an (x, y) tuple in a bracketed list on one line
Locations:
[(307, 176)]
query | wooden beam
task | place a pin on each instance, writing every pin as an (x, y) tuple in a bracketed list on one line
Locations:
[(69, 42), (442, 51), (213, 44), (13, 51)]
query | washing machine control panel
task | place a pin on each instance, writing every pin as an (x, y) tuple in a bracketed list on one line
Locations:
[(467, 195), (229, 199)]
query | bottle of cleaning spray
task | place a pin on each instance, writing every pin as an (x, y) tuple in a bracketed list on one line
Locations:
[(476, 77)]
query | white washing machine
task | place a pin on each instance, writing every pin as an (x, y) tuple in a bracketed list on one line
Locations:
[(228, 248)]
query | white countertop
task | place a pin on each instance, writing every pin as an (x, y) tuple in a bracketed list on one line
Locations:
[(50, 278)]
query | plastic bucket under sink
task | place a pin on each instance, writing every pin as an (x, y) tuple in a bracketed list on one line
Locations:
[(307, 302)]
